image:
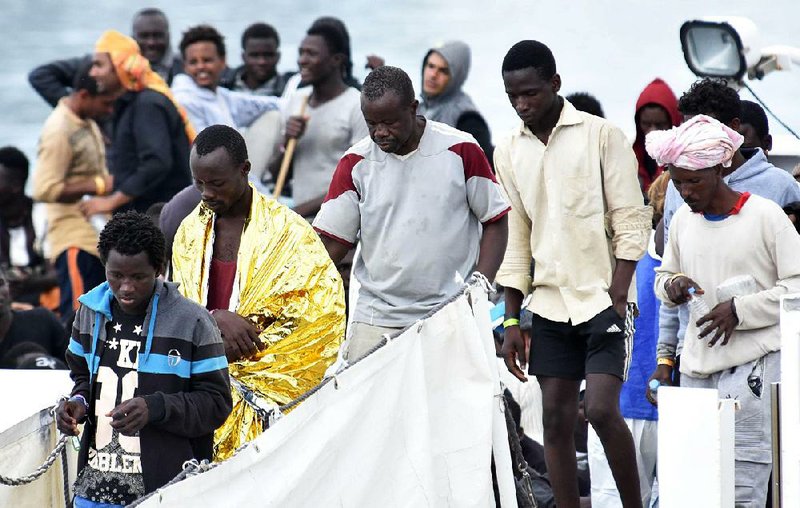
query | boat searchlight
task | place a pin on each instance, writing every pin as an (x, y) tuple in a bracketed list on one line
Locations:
[(729, 47)]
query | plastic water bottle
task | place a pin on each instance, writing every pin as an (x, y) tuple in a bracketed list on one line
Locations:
[(653, 385), (698, 308)]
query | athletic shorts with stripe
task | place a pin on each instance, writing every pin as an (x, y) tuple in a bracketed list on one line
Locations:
[(601, 345)]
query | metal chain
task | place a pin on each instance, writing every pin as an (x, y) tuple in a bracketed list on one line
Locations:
[(24, 480)]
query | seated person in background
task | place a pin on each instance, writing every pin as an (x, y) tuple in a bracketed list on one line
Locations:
[(332, 121), (31, 278), (150, 376), (445, 68), (72, 164), (152, 133), (754, 127), (150, 29), (586, 102), (258, 75), (39, 326), (198, 91), (31, 355)]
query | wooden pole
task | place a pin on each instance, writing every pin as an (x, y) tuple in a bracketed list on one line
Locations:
[(287, 156)]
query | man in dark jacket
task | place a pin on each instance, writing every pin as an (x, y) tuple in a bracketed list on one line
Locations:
[(53, 80), (151, 378), (152, 133)]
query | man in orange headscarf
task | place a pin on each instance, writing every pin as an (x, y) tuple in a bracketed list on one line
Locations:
[(152, 134)]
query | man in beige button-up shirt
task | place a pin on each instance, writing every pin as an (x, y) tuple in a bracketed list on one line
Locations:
[(576, 229)]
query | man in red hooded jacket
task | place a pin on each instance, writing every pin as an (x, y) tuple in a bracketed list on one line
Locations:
[(656, 110)]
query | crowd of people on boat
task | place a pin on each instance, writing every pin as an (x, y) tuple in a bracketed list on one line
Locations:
[(205, 224)]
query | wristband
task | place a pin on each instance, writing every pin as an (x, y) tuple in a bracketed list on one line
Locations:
[(510, 322), (100, 185), (666, 361), (80, 398)]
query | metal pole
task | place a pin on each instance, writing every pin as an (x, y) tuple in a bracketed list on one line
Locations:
[(775, 390)]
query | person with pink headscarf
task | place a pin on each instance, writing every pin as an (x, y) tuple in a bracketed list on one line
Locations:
[(738, 252)]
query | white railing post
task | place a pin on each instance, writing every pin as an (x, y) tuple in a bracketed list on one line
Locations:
[(790, 400), (695, 448)]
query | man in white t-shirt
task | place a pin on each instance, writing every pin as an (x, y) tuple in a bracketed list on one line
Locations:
[(423, 201), (738, 252), (332, 121)]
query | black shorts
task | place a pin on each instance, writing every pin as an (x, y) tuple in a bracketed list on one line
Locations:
[(598, 346)]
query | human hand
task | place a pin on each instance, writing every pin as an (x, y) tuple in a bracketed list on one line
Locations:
[(69, 414), (238, 334), (296, 126), (663, 374), (374, 61), (678, 289), (96, 205), (619, 300), (722, 322), (129, 416), (514, 351)]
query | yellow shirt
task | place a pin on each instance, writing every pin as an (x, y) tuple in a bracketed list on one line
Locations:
[(576, 206), (70, 150)]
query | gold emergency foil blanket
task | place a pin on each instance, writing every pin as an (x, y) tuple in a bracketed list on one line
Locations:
[(288, 287)]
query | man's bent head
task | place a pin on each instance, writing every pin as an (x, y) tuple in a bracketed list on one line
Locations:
[(220, 167), (389, 108)]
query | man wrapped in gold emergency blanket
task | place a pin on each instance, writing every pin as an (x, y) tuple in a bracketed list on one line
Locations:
[(287, 286)]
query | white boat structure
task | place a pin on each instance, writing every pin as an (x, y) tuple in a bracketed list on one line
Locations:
[(415, 423)]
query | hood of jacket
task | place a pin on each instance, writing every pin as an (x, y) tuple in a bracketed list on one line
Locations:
[(449, 105), (657, 93)]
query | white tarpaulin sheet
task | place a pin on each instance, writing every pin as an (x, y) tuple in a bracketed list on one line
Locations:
[(414, 424)]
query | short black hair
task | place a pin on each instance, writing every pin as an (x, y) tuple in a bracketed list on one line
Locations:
[(83, 81), (260, 31), (202, 33), (525, 54), (754, 115), (337, 38), (15, 162), (712, 97), (130, 233), (388, 79), (216, 136), (150, 11), (586, 102)]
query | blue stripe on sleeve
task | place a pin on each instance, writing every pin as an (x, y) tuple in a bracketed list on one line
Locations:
[(163, 364), (75, 348), (209, 365)]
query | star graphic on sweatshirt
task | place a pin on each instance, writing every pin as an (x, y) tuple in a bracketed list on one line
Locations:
[(113, 343), (137, 329), (117, 327)]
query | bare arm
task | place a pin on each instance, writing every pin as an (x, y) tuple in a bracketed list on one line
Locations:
[(336, 249), (620, 283), (493, 247), (309, 208)]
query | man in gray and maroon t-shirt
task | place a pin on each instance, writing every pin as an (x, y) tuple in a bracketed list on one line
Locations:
[(421, 198)]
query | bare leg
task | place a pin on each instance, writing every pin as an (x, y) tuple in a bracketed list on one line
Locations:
[(602, 409), (559, 412)]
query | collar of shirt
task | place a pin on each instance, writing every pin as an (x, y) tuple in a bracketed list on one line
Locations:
[(569, 116)]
